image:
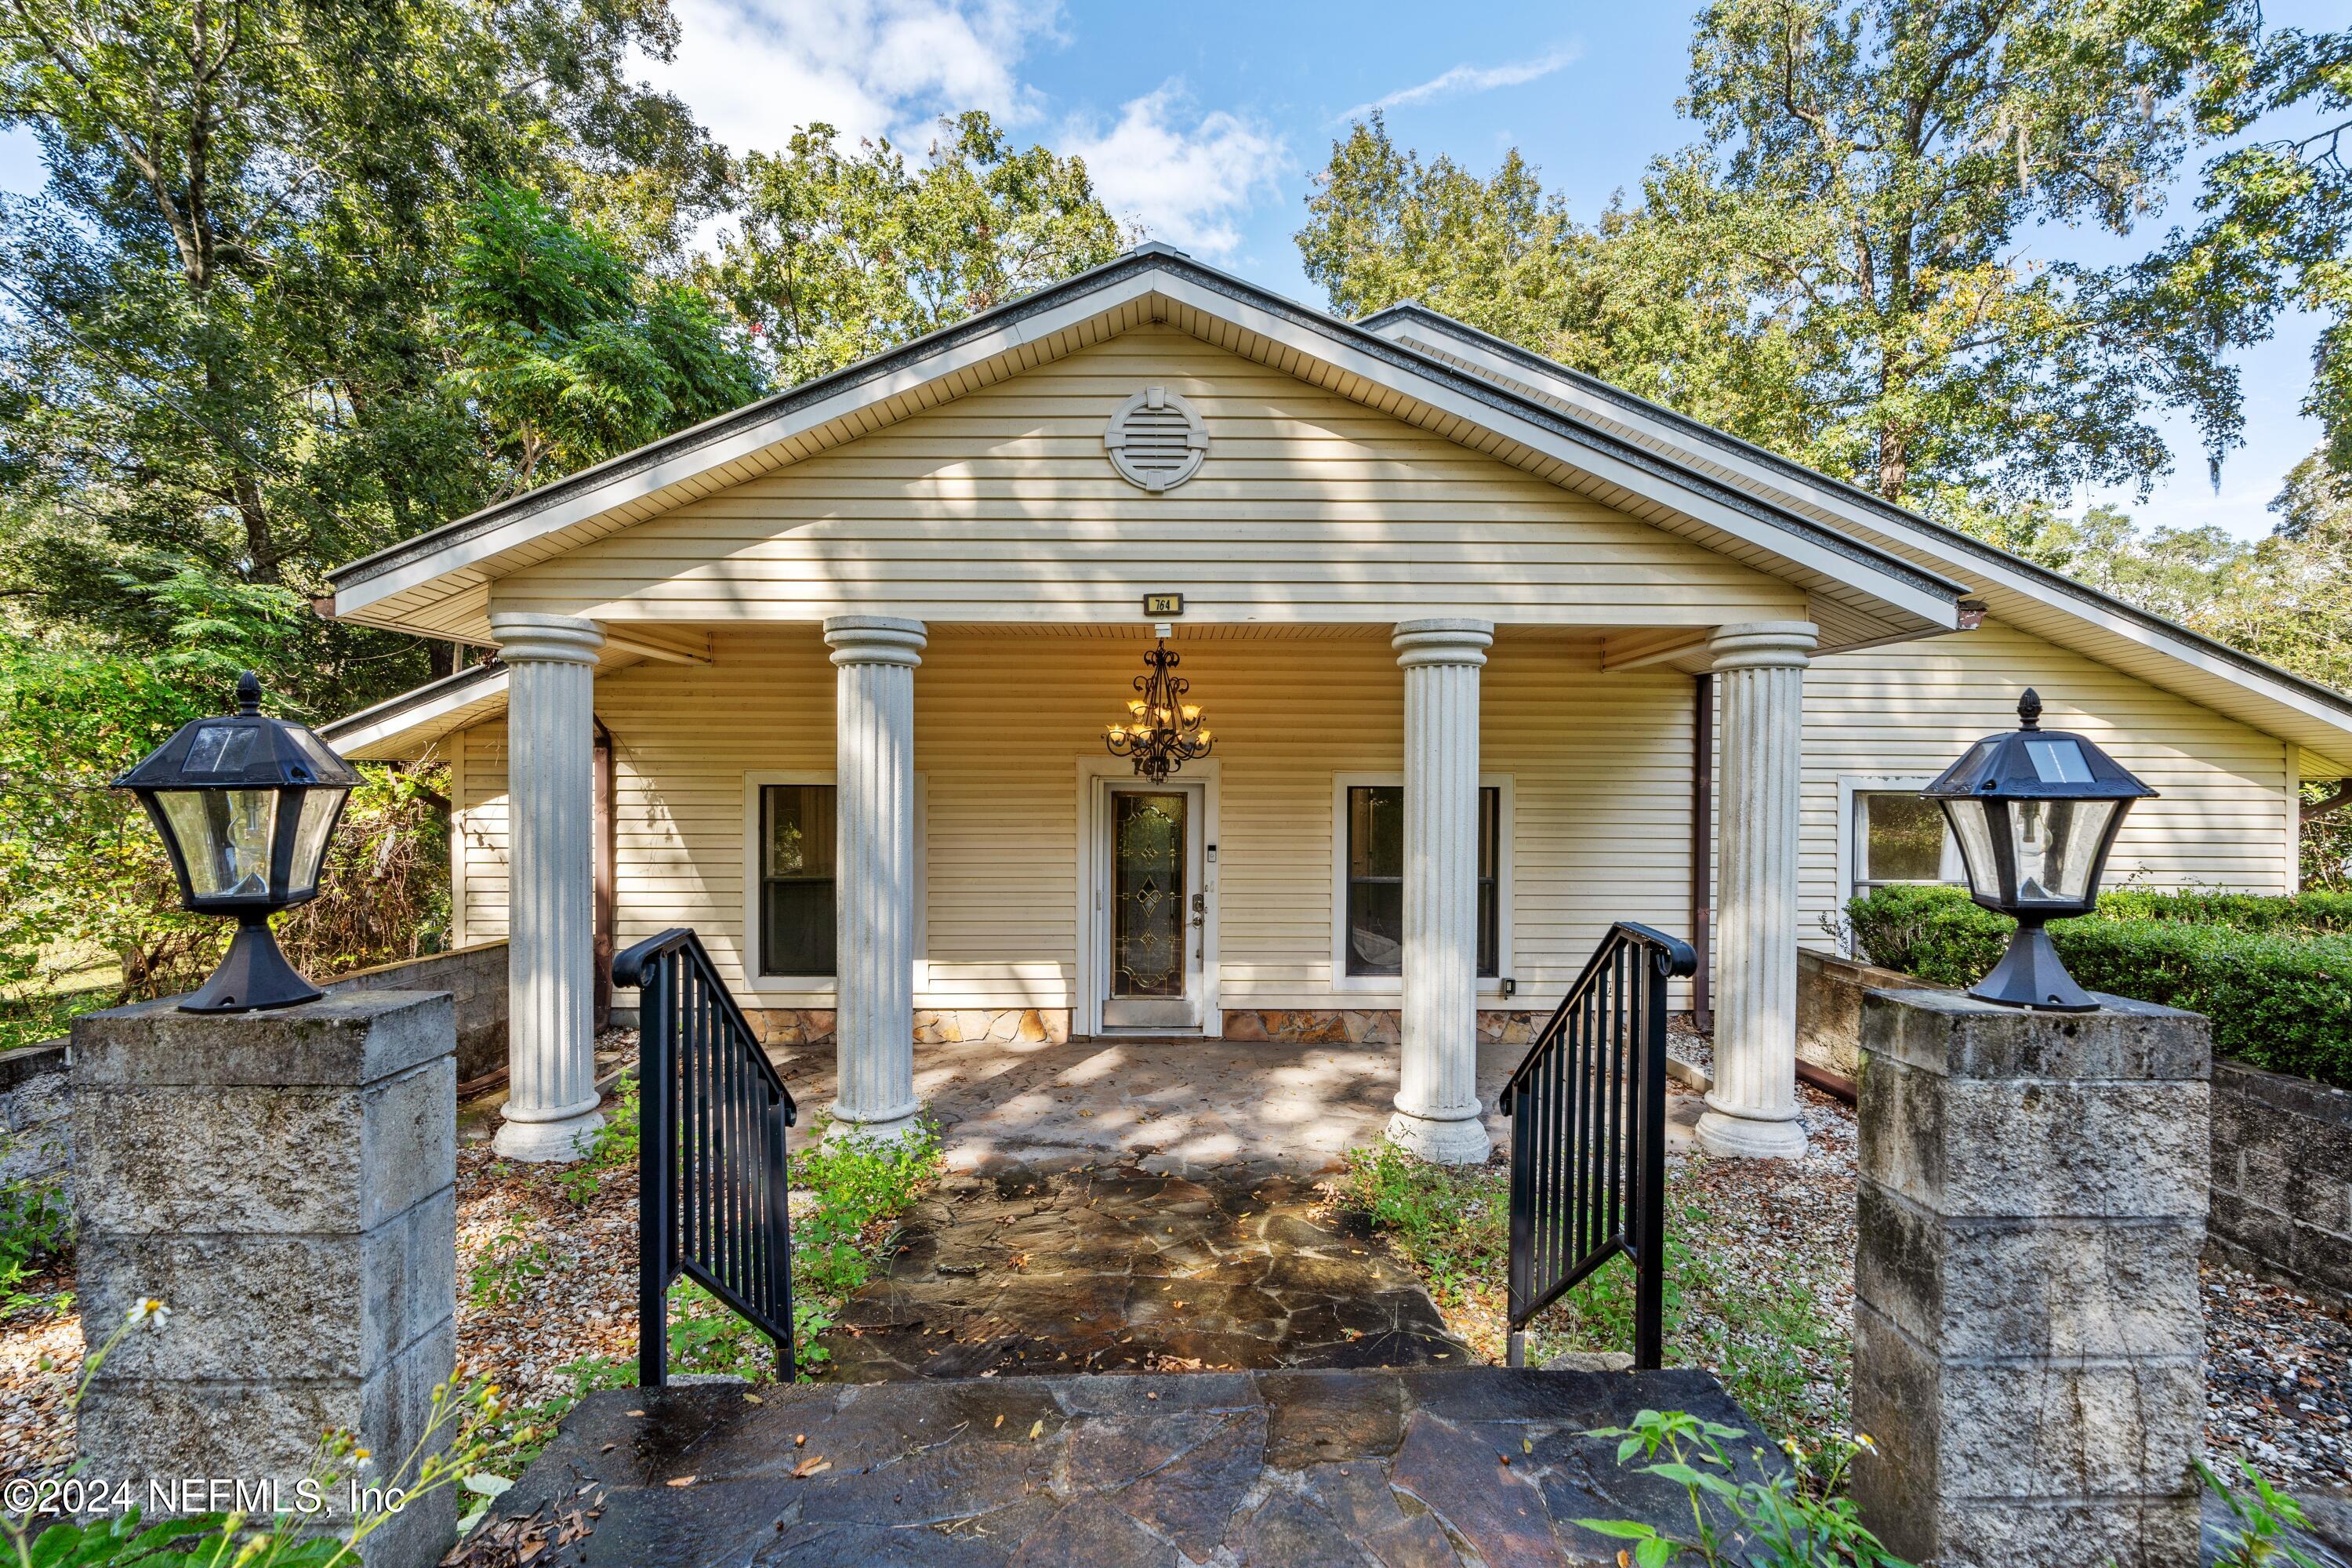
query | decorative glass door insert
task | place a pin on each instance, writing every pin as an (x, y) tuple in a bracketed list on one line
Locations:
[(1150, 908)]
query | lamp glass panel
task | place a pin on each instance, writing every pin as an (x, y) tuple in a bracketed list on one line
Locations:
[(311, 841), (2057, 846), (1975, 833), (224, 837)]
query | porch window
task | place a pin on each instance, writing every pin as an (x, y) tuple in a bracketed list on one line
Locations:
[(796, 908), (1898, 838), (1375, 933)]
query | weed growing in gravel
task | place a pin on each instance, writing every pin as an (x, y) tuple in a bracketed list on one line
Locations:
[(2263, 1515), (1751, 1327), (1454, 1227), (611, 1154), (512, 1264), (1796, 1518), (35, 1227)]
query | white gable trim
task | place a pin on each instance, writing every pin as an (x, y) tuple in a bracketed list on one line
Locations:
[(1990, 569), (1164, 279)]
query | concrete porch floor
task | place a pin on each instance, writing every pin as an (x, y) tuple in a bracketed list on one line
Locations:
[(1181, 1106)]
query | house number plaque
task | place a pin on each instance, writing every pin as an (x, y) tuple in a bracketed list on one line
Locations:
[(1163, 603)]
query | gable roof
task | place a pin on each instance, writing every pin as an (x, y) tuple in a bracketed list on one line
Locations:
[(437, 583), (2032, 597)]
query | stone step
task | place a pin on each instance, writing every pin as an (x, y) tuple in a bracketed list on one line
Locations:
[(1378, 1469)]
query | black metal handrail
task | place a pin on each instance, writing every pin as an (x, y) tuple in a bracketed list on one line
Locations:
[(1587, 1109), (711, 1114)]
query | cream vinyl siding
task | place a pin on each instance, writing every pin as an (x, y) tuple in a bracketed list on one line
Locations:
[(1001, 506), (1600, 766), (2225, 816)]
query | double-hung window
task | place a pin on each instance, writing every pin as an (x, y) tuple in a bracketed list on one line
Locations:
[(1373, 935), (797, 902)]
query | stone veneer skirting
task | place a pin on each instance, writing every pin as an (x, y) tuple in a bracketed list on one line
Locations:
[(1357, 1027), (814, 1026)]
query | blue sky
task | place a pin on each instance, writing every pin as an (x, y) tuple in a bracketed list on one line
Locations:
[(1205, 121)]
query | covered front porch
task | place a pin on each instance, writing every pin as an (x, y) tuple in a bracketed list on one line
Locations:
[(897, 837)]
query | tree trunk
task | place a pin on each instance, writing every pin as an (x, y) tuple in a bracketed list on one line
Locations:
[(1893, 463)]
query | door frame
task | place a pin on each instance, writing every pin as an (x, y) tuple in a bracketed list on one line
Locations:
[(1094, 777)]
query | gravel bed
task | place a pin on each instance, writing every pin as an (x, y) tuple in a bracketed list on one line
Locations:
[(2278, 1380)]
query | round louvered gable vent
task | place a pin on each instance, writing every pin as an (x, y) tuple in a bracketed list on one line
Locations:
[(1156, 439)]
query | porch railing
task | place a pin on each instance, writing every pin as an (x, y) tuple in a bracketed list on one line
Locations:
[(711, 1114), (1587, 1109)]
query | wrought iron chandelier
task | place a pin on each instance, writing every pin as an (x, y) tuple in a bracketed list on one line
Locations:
[(1162, 731)]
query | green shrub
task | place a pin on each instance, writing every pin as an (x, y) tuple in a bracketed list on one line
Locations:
[(2277, 984)]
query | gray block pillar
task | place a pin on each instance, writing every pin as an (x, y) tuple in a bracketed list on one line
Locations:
[(286, 1183), (2028, 1345)]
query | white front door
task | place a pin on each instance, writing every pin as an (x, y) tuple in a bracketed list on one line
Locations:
[(1154, 903)]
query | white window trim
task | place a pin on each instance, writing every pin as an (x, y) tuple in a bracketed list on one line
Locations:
[(1381, 988), (1848, 786), (822, 987)]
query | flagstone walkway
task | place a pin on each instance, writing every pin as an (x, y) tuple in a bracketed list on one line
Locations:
[(1118, 1269), (1271, 1469)]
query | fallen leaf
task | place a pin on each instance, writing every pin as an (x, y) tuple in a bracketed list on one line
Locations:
[(636, 1413), (1037, 1427), (810, 1466), (753, 1399), (681, 1481), (1000, 1419), (1526, 1445)]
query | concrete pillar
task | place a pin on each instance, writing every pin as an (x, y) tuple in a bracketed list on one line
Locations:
[(2028, 1349), (1760, 670), (550, 1111), (286, 1183), (1437, 1081), (873, 738)]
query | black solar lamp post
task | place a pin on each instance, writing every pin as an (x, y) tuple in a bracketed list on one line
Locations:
[(2036, 812), (246, 804)]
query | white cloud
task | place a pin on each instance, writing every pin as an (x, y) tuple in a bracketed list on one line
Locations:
[(1186, 177), (1469, 79), (752, 70)]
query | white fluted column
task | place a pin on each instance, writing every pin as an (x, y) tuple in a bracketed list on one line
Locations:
[(1759, 677), (1437, 1077), (873, 870), (550, 1111)]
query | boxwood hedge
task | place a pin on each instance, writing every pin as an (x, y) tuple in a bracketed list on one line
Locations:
[(2273, 973)]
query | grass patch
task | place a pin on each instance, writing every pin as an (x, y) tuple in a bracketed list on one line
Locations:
[(1762, 1329)]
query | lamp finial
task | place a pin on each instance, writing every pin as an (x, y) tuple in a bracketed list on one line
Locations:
[(248, 695), (2029, 709)]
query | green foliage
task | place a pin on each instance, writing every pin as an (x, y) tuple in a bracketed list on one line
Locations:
[(1453, 1225), (510, 1266), (1835, 272), (35, 1227), (226, 344), (2264, 1514), (859, 1183), (842, 254), (38, 1017), (2274, 974), (567, 354), (1796, 1518), (611, 1154)]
